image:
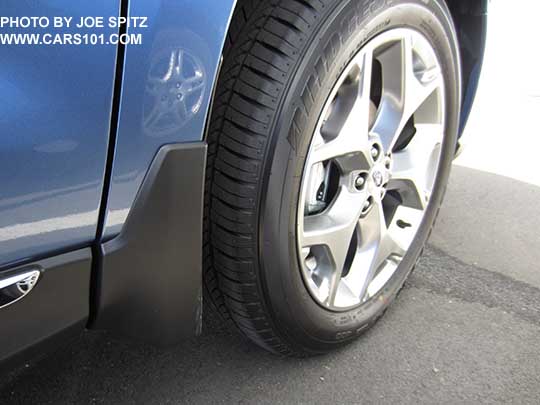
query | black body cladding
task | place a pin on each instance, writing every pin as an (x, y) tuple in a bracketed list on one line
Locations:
[(149, 277), (57, 302)]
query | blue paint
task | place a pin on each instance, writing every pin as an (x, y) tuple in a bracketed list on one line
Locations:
[(54, 122), (167, 88), (55, 116)]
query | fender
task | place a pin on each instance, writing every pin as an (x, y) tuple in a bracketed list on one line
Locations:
[(470, 19)]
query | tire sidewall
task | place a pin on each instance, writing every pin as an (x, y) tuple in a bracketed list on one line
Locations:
[(297, 317)]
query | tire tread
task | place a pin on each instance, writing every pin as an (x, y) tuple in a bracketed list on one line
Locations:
[(262, 46)]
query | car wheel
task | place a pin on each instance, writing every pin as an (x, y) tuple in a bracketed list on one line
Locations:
[(330, 144)]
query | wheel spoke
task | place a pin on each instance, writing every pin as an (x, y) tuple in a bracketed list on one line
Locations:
[(333, 230), (420, 80), (180, 112), (382, 250), (346, 129), (369, 254), (335, 281), (193, 84), (334, 227), (414, 167), (152, 117), (176, 65), (407, 84)]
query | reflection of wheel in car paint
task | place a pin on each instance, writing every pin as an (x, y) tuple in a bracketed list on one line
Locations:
[(174, 91), (331, 149)]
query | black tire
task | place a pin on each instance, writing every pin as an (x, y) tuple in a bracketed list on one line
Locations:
[(281, 60)]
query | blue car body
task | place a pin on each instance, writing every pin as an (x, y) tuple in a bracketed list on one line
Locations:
[(92, 137), (55, 119)]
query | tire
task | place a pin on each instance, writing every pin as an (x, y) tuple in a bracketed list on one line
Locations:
[(281, 60)]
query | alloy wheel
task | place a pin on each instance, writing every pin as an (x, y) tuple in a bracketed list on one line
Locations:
[(370, 169)]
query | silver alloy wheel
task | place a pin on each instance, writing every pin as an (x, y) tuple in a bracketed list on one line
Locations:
[(370, 169)]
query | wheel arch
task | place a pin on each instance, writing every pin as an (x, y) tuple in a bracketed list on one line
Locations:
[(470, 20)]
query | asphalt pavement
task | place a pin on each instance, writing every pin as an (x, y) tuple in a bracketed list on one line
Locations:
[(465, 329)]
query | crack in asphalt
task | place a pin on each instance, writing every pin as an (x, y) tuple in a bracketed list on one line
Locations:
[(443, 274)]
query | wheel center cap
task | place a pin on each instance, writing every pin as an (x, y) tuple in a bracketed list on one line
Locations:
[(377, 178)]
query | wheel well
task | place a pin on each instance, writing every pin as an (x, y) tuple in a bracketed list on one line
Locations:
[(470, 20)]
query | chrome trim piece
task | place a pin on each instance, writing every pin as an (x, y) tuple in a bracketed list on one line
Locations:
[(14, 288)]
